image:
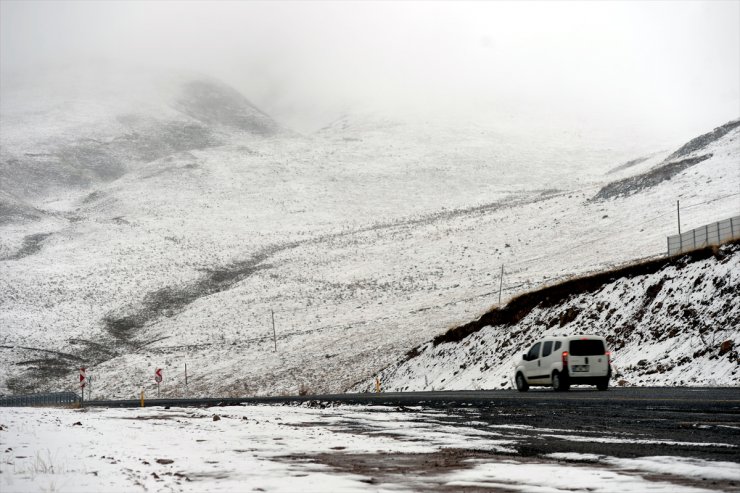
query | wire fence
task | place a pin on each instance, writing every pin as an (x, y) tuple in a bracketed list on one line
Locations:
[(41, 400), (703, 236), (511, 289)]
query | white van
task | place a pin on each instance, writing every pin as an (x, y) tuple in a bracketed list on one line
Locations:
[(563, 361)]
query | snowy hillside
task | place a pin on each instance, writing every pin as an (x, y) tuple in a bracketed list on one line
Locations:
[(98, 126), (366, 239), (667, 322)]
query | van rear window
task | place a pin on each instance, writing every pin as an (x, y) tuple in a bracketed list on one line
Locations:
[(589, 347)]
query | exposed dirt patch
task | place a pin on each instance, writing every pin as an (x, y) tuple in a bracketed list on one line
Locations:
[(41, 365), (395, 468), (155, 417), (704, 140), (634, 184), (428, 471), (37, 371), (31, 245), (445, 460), (628, 164), (170, 300)]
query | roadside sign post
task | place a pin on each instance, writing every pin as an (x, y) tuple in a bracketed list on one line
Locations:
[(83, 377), (158, 379), (274, 334)]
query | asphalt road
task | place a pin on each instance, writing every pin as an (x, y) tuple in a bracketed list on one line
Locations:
[(632, 422), (621, 422)]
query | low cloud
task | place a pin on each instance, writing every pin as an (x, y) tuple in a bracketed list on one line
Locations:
[(662, 70)]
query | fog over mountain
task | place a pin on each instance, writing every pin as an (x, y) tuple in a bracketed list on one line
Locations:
[(660, 72)]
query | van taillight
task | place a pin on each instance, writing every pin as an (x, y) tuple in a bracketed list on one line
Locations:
[(565, 359), (608, 357)]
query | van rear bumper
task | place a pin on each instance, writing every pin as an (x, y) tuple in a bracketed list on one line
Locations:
[(587, 380)]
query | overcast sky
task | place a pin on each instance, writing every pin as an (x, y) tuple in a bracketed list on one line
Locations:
[(668, 69)]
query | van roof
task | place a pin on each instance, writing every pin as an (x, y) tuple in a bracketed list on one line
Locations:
[(574, 337)]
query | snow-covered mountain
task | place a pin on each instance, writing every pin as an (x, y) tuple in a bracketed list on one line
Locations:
[(97, 127), (366, 239)]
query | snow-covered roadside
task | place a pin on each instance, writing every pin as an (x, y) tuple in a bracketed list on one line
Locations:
[(273, 448)]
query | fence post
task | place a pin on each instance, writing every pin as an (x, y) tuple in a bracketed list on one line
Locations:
[(706, 235), (719, 238), (500, 284)]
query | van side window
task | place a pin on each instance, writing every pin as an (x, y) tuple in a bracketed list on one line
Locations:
[(534, 353), (557, 345), (547, 349)]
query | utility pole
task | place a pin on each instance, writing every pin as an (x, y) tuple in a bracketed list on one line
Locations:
[(83, 380), (678, 214), (274, 335), (500, 285), (680, 240)]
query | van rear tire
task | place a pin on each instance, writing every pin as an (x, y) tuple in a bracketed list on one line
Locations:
[(521, 383), (603, 385), (559, 382)]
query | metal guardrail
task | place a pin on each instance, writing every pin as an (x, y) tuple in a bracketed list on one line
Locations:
[(710, 234), (40, 400), (632, 396)]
